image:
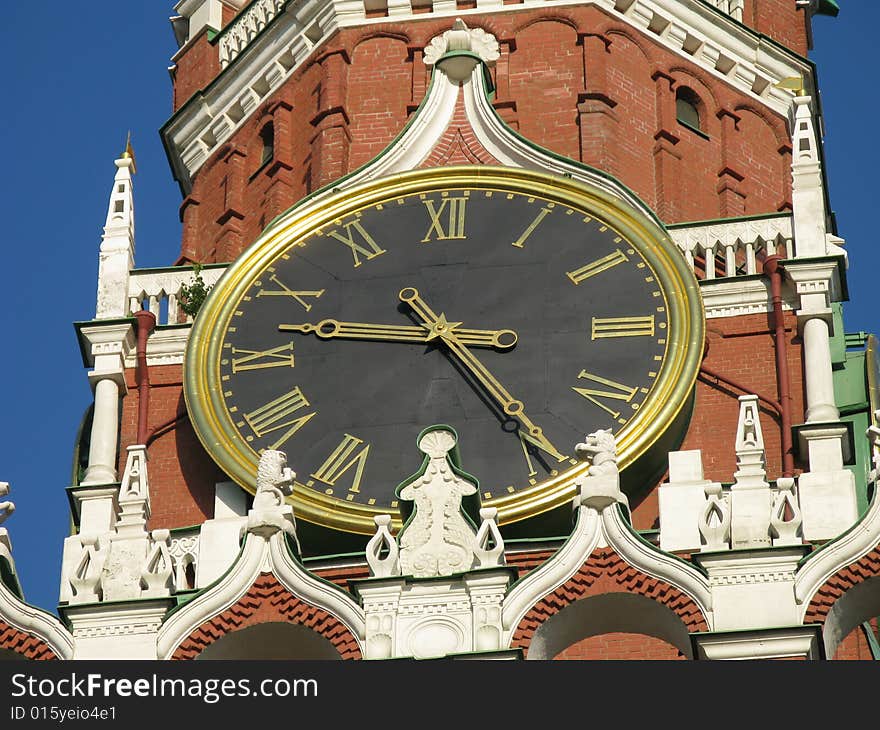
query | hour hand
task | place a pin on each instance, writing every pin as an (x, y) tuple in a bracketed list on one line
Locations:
[(333, 328)]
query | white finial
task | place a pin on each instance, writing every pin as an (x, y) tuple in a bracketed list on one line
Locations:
[(601, 486), (749, 445), (383, 542), (270, 511)]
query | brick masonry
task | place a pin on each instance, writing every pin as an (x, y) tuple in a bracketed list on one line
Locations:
[(268, 601), (606, 572), (27, 645), (572, 79)]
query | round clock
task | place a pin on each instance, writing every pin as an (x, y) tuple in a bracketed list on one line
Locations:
[(522, 309)]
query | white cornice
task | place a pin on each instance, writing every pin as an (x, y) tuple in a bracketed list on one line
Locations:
[(689, 28)]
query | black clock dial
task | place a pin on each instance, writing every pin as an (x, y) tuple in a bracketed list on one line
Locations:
[(523, 310), (521, 322)]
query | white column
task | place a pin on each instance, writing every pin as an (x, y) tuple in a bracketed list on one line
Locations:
[(819, 379), (102, 449)]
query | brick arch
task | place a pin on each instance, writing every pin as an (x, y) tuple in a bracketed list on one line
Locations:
[(837, 585), (700, 84), (776, 124), (649, 52), (268, 601), (605, 571), (547, 16), (391, 32), (27, 645)]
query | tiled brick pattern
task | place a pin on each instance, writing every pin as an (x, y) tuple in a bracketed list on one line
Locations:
[(27, 645), (606, 572), (839, 583), (268, 601)]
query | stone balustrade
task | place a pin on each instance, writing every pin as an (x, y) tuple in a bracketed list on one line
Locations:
[(723, 249), (246, 26), (158, 290)]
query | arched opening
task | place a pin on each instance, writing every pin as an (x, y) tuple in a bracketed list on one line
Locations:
[(612, 626), (267, 141), (271, 641), (858, 605), (687, 108)]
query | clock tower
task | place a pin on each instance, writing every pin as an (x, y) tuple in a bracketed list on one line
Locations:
[(504, 329)]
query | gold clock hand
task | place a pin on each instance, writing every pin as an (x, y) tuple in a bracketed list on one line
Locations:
[(330, 328), (439, 327)]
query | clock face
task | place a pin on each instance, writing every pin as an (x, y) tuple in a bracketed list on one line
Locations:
[(521, 310)]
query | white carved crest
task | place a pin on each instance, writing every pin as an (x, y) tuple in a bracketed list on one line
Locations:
[(461, 38), (438, 540)]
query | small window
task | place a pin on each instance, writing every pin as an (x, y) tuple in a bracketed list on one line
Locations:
[(267, 137), (687, 108)]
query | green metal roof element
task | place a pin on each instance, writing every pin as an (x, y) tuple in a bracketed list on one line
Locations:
[(828, 7)]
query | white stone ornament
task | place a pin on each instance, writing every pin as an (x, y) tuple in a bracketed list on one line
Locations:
[(270, 512), (383, 555), (438, 539), (489, 545), (157, 576), (714, 521), (601, 486), (461, 38), (785, 520)]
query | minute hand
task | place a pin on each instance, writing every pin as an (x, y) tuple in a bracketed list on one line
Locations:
[(510, 405)]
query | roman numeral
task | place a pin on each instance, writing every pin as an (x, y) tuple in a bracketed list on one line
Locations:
[(278, 414), (285, 291), (254, 359), (520, 242), (455, 210), (341, 460), (596, 267), (618, 392), (544, 446), (348, 239), (623, 327)]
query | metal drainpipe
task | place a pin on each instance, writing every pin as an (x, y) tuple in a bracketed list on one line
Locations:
[(774, 270), (146, 323)]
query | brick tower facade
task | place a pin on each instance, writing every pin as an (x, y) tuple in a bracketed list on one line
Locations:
[(699, 113)]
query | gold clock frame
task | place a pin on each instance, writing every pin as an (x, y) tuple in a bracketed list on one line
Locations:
[(673, 386)]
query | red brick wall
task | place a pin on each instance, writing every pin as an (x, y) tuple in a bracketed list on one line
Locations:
[(855, 645), (573, 80), (182, 475), (620, 645)]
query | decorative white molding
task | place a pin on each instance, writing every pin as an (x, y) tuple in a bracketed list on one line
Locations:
[(158, 291), (461, 38), (34, 621), (536, 584), (753, 589), (796, 642), (742, 244), (739, 296), (690, 29), (245, 28), (854, 544), (260, 554), (593, 530)]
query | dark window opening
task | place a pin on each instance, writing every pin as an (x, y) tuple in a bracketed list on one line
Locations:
[(687, 108), (267, 137)]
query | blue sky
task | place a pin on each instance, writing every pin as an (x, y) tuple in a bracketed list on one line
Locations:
[(78, 80)]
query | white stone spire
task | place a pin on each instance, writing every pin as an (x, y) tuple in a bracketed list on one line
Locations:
[(117, 244), (807, 193)]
